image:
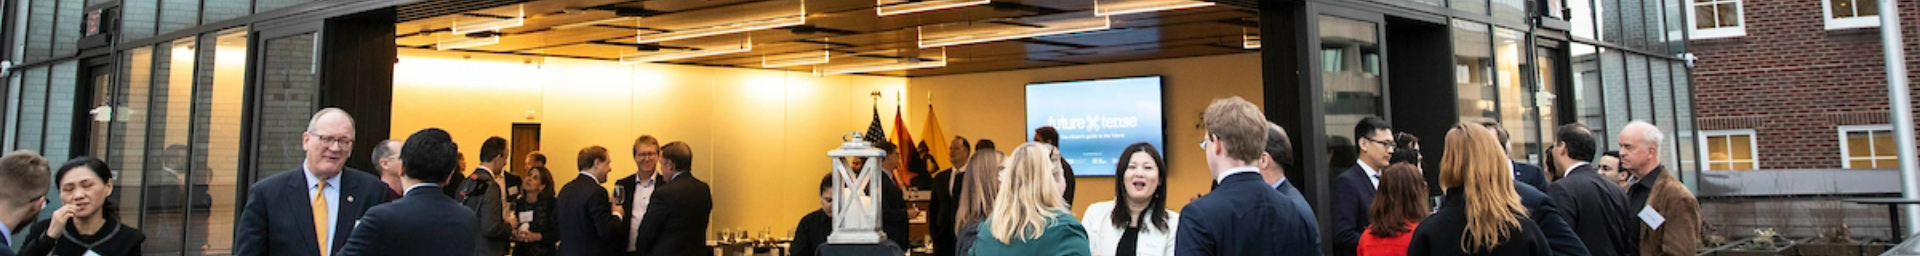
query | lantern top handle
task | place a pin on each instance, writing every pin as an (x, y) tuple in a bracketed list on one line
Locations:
[(855, 147)]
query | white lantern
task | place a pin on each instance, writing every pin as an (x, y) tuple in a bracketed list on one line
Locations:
[(856, 193)]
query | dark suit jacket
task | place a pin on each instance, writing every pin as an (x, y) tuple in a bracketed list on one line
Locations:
[(626, 185), (278, 217), (5, 250), (1560, 237), (1245, 216), (454, 181), (676, 221), (1352, 195), (494, 233), (423, 223), (946, 202), (1443, 232), (586, 222), (1069, 195), (1597, 210), (1529, 174), (893, 211), (812, 232)]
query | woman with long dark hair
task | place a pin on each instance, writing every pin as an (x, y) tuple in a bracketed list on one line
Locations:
[(1398, 207), (86, 223), (1480, 213), (1137, 222), (534, 235)]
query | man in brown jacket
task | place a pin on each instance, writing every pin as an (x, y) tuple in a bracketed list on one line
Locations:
[(1669, 215)]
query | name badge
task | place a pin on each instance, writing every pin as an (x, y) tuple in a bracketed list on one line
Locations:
[(1652, 217)]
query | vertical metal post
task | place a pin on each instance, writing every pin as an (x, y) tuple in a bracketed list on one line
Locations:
[(1891, 43)]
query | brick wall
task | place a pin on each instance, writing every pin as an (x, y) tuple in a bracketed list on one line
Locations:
[(1794, 82)]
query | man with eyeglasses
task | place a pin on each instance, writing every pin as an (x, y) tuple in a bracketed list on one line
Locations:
[(1353, 190), (23, 192), (386, 161), (310, 210)]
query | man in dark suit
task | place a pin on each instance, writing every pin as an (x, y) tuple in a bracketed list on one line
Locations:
[(893, 200), (1595, 207), (425, 222), (457, 179), (23, 192), (946, 201), (1244, 215), (583, 212), (1278, 155), (1051, 136), (487, 198), (636, 192), (309, 211), (1353, 190), (1540, 207), (676, 220)]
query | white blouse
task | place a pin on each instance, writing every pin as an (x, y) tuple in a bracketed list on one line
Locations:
[(1105, 238)]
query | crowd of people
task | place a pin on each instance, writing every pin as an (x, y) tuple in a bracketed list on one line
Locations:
[(418, 200)]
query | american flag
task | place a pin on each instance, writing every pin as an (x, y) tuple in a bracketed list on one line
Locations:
[(875, 133)]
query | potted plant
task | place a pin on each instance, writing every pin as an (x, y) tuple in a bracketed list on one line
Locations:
[(1766, 242), (1840, 242)]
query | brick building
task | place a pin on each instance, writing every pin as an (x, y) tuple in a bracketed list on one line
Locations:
[(1792, 103)]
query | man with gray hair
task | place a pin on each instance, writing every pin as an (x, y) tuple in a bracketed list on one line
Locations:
[(23, 191), (1669, 213), (309, 210), (386, 162)]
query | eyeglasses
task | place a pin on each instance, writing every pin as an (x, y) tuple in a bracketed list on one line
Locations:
[(1387, 143), (344, 141), (1206, 141)]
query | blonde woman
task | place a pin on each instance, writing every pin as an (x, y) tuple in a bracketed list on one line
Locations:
[(1480, 213), (1030, 216), (982, 180)]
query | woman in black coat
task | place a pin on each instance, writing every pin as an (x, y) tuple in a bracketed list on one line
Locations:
[(85, 223), (535, 235), (1480, 214)]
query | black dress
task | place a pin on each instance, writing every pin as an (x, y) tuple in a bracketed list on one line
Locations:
[(1444, 232), (811, 233), (542, 223), (113, 239)]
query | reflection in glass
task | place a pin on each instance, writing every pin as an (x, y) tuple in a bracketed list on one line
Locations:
[(1473, 69), (126, 149), (33, 110), (270, 5), (1510, 10), (1515, 96), (1351, 81), (1613, 82), (40, 27), (1469, 6), (1580, 14), (1607, 14), (166, 193), (218, 10), (216, 123), (1662, 88), (287, 70), (66, 33), (1547, 82), (1683, 111), (137, 19), (1652, 26), (1640, 89), (1585, 61), (178, 14)]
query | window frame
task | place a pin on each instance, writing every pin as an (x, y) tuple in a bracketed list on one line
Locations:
[(1845, 159), (1704, 153), (1826, 14), (1739, 16)]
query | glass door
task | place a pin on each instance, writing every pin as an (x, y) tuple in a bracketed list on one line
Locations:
[(1349, 61)]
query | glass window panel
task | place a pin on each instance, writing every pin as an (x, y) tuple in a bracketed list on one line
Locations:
[(270, 5), (287, 102), (1351, 92), (1720, 166), (1662, 88), (218, 10), (66, 33), (1841, 8), (1469, 6), (1683, 112), (218, 96), (1884, 145), (1867, 8), (1703, 17), (1510, 10), (1640, 89), (40, 26), (1742, 147), (129, 133), (1654, 27), (1515, 100), (1614, 79), (1546, 81), (60, 103), (1586, 83), (137, 19), (1728, 14), (1628, 24), (1859, 144), (1886, 164), (12, 111), (171, 106), (1743, 166), (1581, 16), (1717, 149), (178, 14), (33, 110), (1473, 69)]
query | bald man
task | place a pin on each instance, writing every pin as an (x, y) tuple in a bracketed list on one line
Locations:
[(310, 210)]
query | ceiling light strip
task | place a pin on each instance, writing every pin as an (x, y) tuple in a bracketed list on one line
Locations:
[(592, 23), (822, 57), (1049, 29), (738, 27), (519, 19), (907, 65), (1123, 7), (1250, 42), (466, 42), (898, 7)]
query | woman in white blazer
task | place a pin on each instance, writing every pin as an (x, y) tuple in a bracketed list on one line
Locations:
[(1137, 223)]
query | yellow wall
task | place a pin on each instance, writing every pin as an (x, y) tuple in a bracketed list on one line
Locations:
[(992, 105), (759, 137)]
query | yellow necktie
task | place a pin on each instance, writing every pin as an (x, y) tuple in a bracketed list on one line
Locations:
[(320, 216)]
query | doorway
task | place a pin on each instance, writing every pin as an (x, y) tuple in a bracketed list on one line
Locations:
[(526, 140)]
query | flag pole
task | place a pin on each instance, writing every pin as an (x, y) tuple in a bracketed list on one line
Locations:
[(1902, 109)]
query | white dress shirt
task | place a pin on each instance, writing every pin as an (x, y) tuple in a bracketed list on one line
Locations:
[(642, 194), (1236, 170), (1372, 175), (1105, 238), (332, 193)]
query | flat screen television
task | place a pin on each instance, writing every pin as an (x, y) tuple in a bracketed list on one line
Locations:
[(1098, 118)]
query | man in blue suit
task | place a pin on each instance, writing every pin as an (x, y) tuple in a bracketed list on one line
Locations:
[(425, 222), (23, 191), (1278, 155), (584, 213), (1522, 173), (1244, 215), (1353, 190), (309, 211)]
